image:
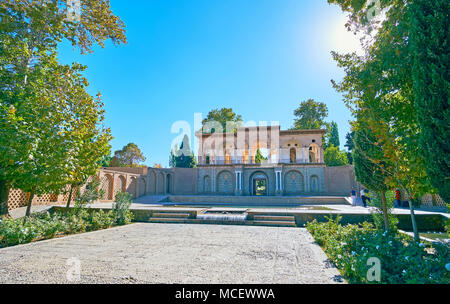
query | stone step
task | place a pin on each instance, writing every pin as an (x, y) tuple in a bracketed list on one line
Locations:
[(283, 218), (275, 223), (166, 220), (170, 215)]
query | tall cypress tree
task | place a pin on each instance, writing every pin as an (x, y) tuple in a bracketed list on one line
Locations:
[(430, 50), (334, 135)]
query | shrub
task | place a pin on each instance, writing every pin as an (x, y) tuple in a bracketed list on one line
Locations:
[(402, 260), (89, 195), (48, 225), (101, 220), (121, 208)]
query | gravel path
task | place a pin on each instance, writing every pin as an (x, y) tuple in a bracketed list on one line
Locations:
[(172, 253)]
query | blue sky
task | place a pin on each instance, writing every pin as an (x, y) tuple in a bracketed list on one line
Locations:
[(261, 58)]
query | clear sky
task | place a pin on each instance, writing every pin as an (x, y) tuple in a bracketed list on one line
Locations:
[(259, 57)]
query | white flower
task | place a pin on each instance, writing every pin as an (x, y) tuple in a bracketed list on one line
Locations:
[(406, 258), (378, 247), (353, 253), (447, 266)]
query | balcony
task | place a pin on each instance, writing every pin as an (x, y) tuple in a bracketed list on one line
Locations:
[(220, 161)]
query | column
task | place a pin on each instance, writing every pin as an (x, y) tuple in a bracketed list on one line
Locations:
[(278, 182), (238, 188)]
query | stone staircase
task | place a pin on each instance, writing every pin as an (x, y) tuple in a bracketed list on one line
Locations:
[(169, 217), (274, 220), (185, 217)]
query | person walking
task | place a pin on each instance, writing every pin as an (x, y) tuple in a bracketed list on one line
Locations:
[(353, 197), (363, 197), (398, 202)]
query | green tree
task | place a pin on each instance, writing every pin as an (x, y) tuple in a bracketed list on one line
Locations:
[(429, 48), (335, 157), (29, 34), (259, 158), (349, 145), (378, 88), (106, 160), (129, 156), (221, 119), (332, 138), (183, 157), (88, 139), (370, 166), (50, 130), (310, 115)]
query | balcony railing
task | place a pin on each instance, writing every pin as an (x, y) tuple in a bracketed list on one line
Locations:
[(247, 161)]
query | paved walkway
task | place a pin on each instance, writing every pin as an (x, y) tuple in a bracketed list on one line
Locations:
[(173, 253)]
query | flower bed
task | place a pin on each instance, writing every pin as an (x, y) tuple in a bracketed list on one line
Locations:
[(401, 259), (49, 225)]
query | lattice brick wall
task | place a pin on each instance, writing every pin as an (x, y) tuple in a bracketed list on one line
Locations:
[(107, 187), (427, 201), (18, 198)]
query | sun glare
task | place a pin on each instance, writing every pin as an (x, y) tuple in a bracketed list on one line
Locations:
[(343, 41)]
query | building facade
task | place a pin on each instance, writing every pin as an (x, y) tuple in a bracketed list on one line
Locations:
[(261, 161)]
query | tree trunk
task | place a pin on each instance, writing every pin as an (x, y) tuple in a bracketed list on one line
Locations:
[(4, 194), (69, 200), (30, 201), (413, 220), (385, 211)]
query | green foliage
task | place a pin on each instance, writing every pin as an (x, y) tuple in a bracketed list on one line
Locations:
[(310, 115), (77, 220), (335, 157), (48, 225), (370, 166), (52, 129), (334, 135), (430, 78), (121, 208), (91, 193), (183, 157), (378, 218), (221, 120), (106, 160), (259, 158), (130, 156), (402, 260), (349, 145), (37, 26)]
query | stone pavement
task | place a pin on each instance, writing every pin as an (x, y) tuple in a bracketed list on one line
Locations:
[(173, 253)]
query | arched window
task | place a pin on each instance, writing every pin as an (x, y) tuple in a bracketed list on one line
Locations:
[(207, 184), (314, 184), (314, 154), (293, 155)]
